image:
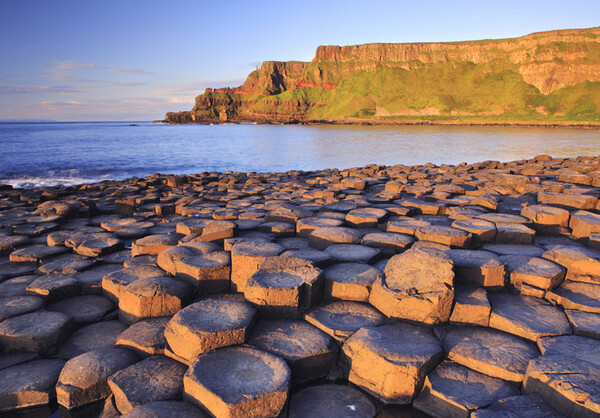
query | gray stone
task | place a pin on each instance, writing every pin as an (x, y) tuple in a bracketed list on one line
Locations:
[(54, 287), (35, 332), (576, 295), (166, 409), (91, 337), (349, 281), (520, 406), (585, 324), (19, 305), (146, 337), (336, 401)]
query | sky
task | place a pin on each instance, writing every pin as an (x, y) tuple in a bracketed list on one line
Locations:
[(74, 60)]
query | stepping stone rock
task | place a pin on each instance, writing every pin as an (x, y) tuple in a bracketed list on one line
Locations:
[(166, 259), (113, 283), (86, 308), (91, 337), (350, 281), (9, 360), (83, 380), (156, 378), (456, 238), (584, 223), (209, 273), (310, 352), (365, 217), (36, 254), (526, 316), (238, 381), (418, 286), (16, 286), (153, 244), (584, 323), (19, 305), (533, 276), (321, 238), (569, 385), (318, 258), (66, 264), (352, 253), (10, 243), (146, 337), (207, 325), (388, 241), (520, 406), (54, 287), (452, 390), (571, 346), (481, 230), (35, 332), (11, 270), (546, 215), (96, 245), (478, 268), (91, 279), (568, 201), (576, 295), (408, 226), (514, 249), (245, 259), (514, 233), (29, 385), (152, 297), (341, 319), (165, 409), (488, 351), (582, 264), (471, 306), (305, 226), (391, 361), (330, 401)]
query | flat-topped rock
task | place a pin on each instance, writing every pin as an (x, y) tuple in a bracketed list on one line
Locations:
[(36, 254), (245, 259), (584, 223), (391, 361), (166, 259), (19, 305), (584, 323), (471, 306), (113, 283), (533, 276), (518, 406), (514, 249), (576, 295), (455, 390), (153, 244), (12, 270), (406, 225), (35, 332), (207, 325), (66, 264), (341, 319), (349, 281), (145, 337), (29, 384), (84, 309), (238, 382), (526, 316), (91, 337), (54, 287), (488, 351), (478, 268), (573, 346), (208, 274), (365, 217), (310, 352), (95, 245), (352, 253), (321, 238), (9, 243), (390, 242), (17, 286), (162, 409), (546, 215), (151, 297), (569, 385), (582, 264), (568, 201), (320, 259), (447, 235), (156, 378), (305, 226), (418, 286), (332, 401), (83, 380)]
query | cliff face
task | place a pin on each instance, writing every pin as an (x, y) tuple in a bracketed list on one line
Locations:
[(549, 77)]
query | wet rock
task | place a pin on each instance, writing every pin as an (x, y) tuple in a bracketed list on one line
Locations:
[(29, 384), (238, 382), (418, 286), (310, 352), (569, 385), (349, 281), (321, 238), (207, 325), (452, 390), (156, 378), (488, 351), (91, 337), (83, 380), (478, 268), (526, 316), (341, 319), (391, 361), (330, 400), (146, 337), (245, 259), (471, 306), (152, 297), (35, 332)]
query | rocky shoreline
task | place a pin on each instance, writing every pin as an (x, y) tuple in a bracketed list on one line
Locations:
[(469, 290)]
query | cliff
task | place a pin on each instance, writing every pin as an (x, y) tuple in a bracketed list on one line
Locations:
[(547, 77)]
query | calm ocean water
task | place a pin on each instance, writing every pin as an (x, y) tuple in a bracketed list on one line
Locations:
[(38, 154)]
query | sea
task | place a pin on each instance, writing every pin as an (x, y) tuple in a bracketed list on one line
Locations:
[(67, 153)]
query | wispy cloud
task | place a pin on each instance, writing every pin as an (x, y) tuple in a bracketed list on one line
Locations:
[(127, 71), (67, 70), (129, 84), (181, 100)]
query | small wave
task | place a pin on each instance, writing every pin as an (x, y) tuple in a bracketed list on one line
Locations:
[(54, 178)]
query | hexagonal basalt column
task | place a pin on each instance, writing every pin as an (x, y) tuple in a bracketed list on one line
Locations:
[(245, 259)]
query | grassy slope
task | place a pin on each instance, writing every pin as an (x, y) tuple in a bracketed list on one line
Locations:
[(461, 91)]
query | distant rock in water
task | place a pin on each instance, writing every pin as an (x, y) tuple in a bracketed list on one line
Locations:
[(542, 78)]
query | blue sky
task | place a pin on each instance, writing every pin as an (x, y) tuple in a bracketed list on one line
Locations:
[(136, 60)]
